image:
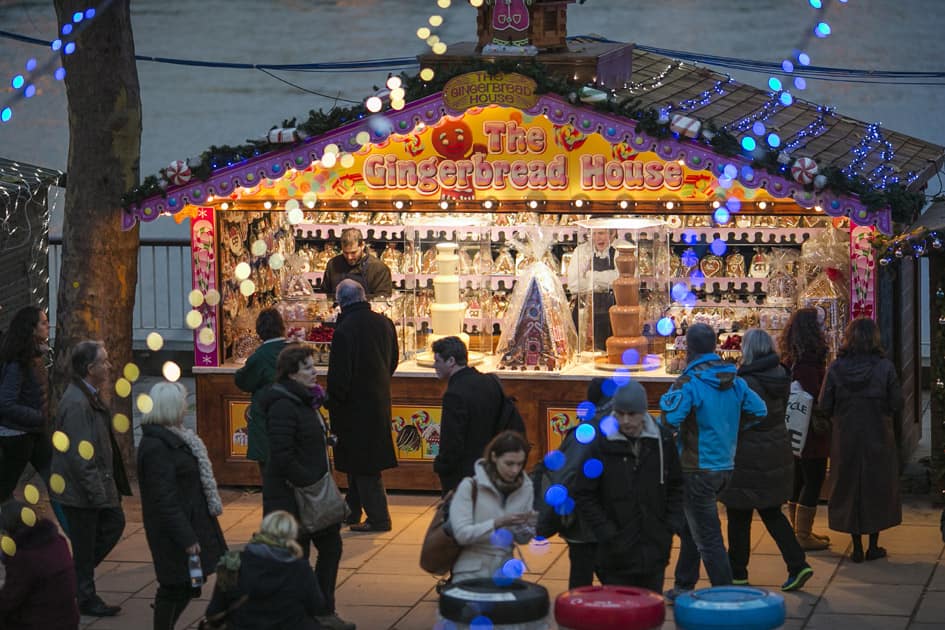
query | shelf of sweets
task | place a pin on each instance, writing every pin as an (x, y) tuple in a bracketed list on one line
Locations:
[(497, 282), (743, 236), (495, 233)]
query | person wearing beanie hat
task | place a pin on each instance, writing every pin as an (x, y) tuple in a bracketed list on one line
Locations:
[(634, 505), (705, 407)]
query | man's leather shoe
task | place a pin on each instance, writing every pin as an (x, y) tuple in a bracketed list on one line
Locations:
[(367, 526), (99, 609)]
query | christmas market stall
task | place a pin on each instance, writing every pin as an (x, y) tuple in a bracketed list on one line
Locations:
[(568, 211)]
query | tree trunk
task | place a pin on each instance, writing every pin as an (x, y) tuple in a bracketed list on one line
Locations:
[(99, 261)]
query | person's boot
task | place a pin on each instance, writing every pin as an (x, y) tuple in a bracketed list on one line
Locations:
[(790, 510), (166, 613), (808, 540)]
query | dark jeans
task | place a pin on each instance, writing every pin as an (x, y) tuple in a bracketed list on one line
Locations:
[(702, 536), (809, 474), (739, 540), (328, 544), (16, 452), (367, 492), (169, 602), (583, 558), (652, 581), (94, 532)]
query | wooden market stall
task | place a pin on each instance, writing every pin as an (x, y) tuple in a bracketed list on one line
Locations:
[(492, 155)]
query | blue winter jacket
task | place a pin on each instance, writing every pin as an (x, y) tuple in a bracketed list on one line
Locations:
[(705, 405)]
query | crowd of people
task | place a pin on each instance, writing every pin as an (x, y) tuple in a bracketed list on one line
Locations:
[(636, 482)]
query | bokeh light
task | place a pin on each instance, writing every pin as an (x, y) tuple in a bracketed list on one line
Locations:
[(212, 298), (31, 493), (786, 98), (513, 568), (775, 84), (8, 546), (586, 410), (608, 387), (347, 160), (28, 516), (774, 140), (565, 507), (276, 261), (171, 371), (722, 216), (718, 247), (665, 326), (259, 247), (679, 291), (60, 441), (206, 335), (123, 387), (144, 403), (194, 298), (554, 460), (730, 171), (247, 287), (435, 20), (242, 271), (630, 356), (131, 372), (609, 425), (585, 433), (555, 494), (733, 204), (155, 341), (501, 538), (121, 423), (86, 450), (362, 138), (427, 74), (593, 468), (748, 143), (56, 483)]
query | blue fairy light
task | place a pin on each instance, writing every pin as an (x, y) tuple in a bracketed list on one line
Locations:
[(554, 460), (817, 4), (609, 426), (30, 91), (6, 114), (822, 30), (758, 128), (586, 410), (721, 216), (513, 568), (690, 237), (78, 16), (585, 433), (621, 377), (89, 13), (481, 622), (69, 48), (501, 538), (689, 300), (689, 258), (56, 44), (800, 83), (733, 204), (748, 172), (593, 468), (679, 290), (697, 278), (718, 247), (18, 82), (786, 98), (66, 29), (60, 74), (725, 182), (608, 388), (748, 143), (787, 65), (803, 59), (31, 64), (665, 327), (556, 493), (775, 84), (630, 356), (730, 171), (774, 140)]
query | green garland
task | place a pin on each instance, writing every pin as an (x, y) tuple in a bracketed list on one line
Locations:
[(904, 204)]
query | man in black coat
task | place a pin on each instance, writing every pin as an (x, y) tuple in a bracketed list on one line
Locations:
[(632, 497), (470, 412), (364, 355)]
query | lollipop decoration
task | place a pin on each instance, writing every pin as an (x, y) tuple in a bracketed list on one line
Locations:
[(804, 170), (177, 173)]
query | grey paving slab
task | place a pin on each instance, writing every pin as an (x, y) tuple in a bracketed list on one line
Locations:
[(376, 589), (369, 617), (931, 608), (869, 599), (856, 622), (938, 578), (896, 569)]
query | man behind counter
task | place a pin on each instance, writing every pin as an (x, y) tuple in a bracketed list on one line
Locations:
[(356, 262)]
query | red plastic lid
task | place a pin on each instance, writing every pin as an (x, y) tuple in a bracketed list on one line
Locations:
[(609, 608)]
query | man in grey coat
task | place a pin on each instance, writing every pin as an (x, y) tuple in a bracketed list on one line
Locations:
[(93, 472)]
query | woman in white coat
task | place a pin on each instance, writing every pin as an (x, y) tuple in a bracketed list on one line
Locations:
[(492, 510)]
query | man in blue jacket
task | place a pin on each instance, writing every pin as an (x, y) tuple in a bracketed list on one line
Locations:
[(705, 406)]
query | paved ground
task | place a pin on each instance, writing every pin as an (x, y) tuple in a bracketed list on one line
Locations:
[(382, 587)]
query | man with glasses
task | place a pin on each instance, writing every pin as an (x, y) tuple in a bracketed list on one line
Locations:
[(93, 472)]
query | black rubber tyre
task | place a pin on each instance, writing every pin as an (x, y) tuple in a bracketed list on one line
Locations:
[(518, 602)]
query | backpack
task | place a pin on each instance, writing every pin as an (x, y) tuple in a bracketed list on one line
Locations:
[(509, 417)]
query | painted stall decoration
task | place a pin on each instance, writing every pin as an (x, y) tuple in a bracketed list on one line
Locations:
[(506, 154), (558, 421), (203, 318), (236, 429), (416, 432), (862, 276)]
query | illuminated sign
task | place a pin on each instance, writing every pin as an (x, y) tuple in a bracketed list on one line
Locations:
[(478, 89)]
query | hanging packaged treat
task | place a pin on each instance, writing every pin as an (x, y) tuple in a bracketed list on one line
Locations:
[(537, 331), (674, 221), (465, 262), (743, 221), (504, 219), (548, 219), (428, 260), (359, 217), (766, 221), (735, 265), (789, 221), (711, 266), (482, 262), (828, 295), (331, 217), (504, 264), (392, 258), (526, 218), (759, 264), (569, 219), (411, 260), (782, 285), (699, 221), (386, 218)]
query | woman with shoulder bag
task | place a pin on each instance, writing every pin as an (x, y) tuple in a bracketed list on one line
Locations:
[(804, 353), (298, 458), (863, 397), (492, 510), (179, 502), (24, 417), (764, 467), (267, 586)]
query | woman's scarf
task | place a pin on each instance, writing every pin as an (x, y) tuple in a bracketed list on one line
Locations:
[(199, 451)]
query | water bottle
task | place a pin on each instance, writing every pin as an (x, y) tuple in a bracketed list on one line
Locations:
[(196, 571)]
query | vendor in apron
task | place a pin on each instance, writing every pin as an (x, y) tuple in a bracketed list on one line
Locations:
[(593, 258), (356, 262)]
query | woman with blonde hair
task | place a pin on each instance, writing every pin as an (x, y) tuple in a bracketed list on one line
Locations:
[(492, 510), (179, 502), (269, 585)]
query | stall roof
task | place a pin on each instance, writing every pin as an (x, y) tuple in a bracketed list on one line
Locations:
[(18, 176), (830, 137)]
